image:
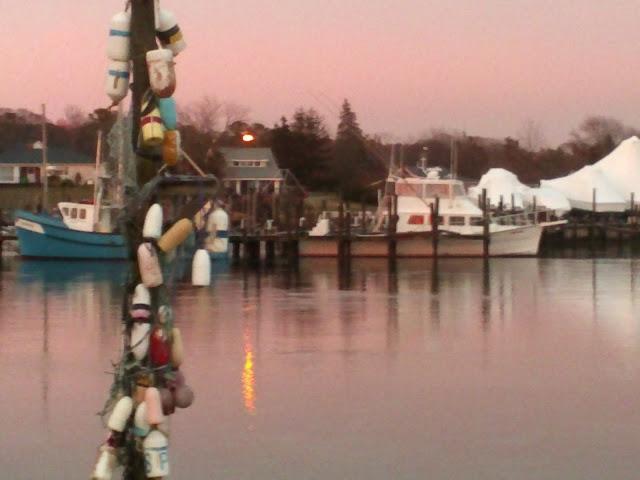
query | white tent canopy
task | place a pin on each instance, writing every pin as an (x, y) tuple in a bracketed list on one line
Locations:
[(579, 188), (501, 184), (614, 179), (549, 198), (622, 168)]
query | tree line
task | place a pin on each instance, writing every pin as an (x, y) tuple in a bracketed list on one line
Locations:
[(351, 162)]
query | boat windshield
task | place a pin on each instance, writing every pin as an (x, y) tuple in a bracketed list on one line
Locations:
[(429, 190)]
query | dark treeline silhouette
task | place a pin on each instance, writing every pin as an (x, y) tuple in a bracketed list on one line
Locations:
[(352, 162)]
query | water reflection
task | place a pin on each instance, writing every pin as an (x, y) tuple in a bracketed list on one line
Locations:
[(418, 366), (248, 377)]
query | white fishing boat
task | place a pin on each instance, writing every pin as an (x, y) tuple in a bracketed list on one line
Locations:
[(460, 224)]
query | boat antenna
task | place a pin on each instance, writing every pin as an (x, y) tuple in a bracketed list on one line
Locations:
[(392, 161), (453, 159), (424, 160), (45, 161)]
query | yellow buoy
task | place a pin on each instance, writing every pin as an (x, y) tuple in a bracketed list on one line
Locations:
[(177, 234), (151, 127)]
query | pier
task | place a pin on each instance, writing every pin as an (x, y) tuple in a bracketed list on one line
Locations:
[(6, 237)]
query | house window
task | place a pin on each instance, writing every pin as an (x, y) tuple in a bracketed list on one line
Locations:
[(6, 174), (456, 221), (236, 163), (74, 213), (476, 221), (83, 214)]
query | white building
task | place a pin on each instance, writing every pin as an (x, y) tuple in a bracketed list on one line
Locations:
[(23, 164)]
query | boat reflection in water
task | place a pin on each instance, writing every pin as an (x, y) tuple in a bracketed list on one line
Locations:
[(439, 370)]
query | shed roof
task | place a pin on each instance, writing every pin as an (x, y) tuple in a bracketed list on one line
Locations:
[(269, 172), (27, 155)]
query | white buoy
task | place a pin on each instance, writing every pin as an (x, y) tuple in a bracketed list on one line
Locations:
[(152, 398), (153, 223), (105, 465), (149, 265), (140, 340), (218, 232), (165, 427), (201, 269), (162, 73), (141, 426), (169, 32), (141, 304), (120, 37), (120, 414), (117, 85), (156, 454), (141, 296)]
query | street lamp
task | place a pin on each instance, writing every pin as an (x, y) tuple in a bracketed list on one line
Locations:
[(248, 137)]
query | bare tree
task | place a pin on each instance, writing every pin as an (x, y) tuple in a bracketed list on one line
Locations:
[(209, 115), (205, 114), (234, 112), (530, 135), (74, 117)]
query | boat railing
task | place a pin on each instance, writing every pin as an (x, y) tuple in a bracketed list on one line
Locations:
[(540, 215)]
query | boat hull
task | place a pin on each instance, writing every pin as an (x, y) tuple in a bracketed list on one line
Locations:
[(42, 236), (516, 242)]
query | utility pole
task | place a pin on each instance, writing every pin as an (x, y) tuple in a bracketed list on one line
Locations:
[(143, 39), (45, 162)]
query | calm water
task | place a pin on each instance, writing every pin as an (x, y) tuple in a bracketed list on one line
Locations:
[(528, 370)]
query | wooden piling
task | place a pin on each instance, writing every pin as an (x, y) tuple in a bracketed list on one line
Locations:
[(347, 238), (269, 251), (485, 224), (363, 216), (392, 228), (435, 226), (593, 217)]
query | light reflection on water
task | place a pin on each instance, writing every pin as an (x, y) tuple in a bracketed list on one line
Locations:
[(521, 368)]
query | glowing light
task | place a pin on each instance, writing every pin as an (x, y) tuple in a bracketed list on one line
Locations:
[(247, 137), (249, 380)]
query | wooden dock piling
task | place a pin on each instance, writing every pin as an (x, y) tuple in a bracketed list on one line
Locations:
[(435, 226), (485, 224), (392, 228)]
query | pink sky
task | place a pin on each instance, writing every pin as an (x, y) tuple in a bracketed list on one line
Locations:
[(406, 65)]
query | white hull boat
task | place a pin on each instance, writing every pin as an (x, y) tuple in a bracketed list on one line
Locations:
[(460, 225)]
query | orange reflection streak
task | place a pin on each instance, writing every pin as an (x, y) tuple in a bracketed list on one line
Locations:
[(249, 379)]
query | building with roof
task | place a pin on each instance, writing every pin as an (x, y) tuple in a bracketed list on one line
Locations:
[(251, 168), (23, 164)]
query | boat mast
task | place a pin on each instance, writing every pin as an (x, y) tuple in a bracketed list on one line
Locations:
[(97, 194), (119, 200), (45, 162)]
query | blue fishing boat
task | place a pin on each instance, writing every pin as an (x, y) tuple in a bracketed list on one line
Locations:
[(73, 236)]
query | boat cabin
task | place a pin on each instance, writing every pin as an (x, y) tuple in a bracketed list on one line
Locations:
[(417, 195), (77, 216)]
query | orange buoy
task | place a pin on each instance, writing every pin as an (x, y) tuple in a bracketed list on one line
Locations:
[(177, 234), (171, 148)]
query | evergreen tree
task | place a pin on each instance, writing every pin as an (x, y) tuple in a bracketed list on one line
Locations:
[(352, 165), (304, 147)]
